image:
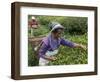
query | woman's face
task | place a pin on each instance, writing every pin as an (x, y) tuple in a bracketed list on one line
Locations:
[(58, 33)]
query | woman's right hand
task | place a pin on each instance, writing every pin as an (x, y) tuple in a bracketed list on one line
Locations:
[(53, 58), (50, 58)]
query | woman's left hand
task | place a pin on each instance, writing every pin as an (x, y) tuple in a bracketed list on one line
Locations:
[(83, 47), (80, 46)]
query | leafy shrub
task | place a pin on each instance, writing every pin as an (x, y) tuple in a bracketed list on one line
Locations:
[(32, 58), (66, 55), (73, 25), (69, 56)]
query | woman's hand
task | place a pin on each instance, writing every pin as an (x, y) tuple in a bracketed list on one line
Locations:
[(80, 46), (50, 58), (83, 47), (53, 58)]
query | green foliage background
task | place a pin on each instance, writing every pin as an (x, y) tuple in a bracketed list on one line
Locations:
[(75, 31)]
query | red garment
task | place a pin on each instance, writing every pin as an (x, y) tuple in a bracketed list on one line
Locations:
[(33, 23)]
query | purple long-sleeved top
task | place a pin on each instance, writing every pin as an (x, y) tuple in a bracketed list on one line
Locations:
[(50, 44)]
